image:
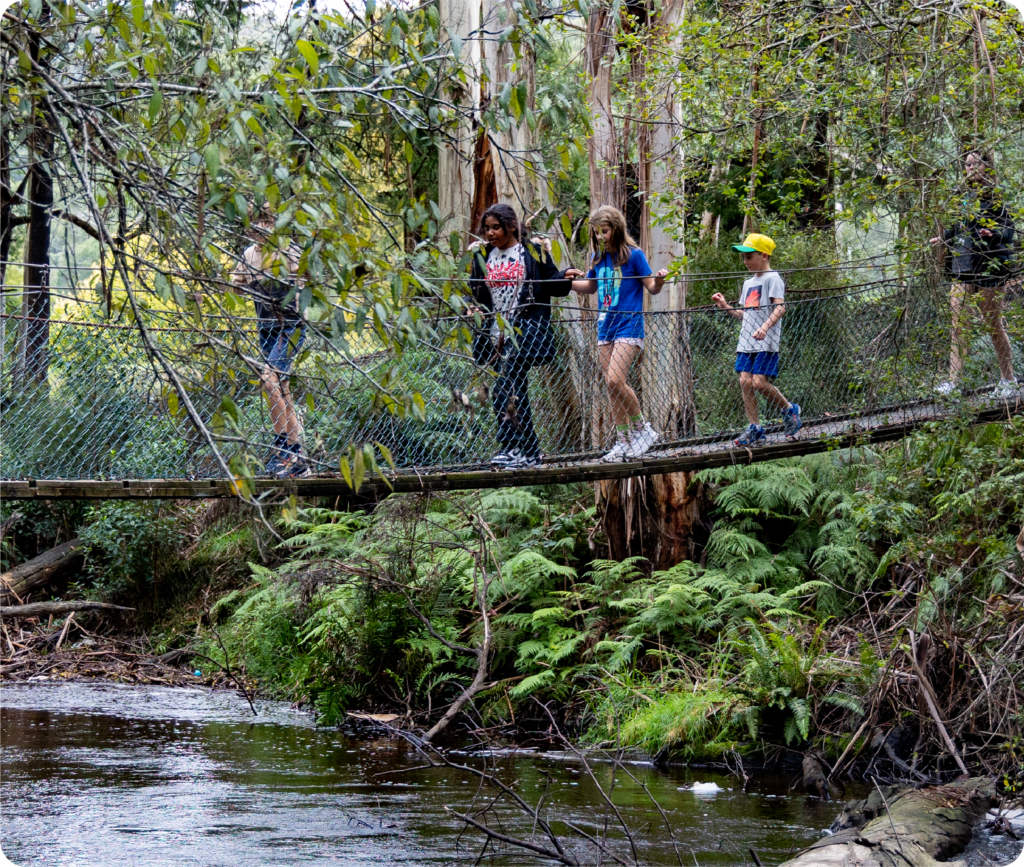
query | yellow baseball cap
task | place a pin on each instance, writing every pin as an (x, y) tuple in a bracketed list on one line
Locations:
[(755, 243)]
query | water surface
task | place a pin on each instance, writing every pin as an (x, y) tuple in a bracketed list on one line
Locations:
[(107, 775)]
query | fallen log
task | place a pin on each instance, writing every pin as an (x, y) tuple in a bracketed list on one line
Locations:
[(41, 570), (903, 827), (43, 609)]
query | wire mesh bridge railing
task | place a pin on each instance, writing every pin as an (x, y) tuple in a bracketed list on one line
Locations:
[(107, 409)]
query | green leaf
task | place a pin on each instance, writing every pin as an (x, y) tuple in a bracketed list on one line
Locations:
[(419, 407), (386, 453), (212, 155), (346, 471), (359, 471), (408, 151), (309, 54), (309, 401), (162, 286), (566, 225), (172, 402), (514, 105), (230, 409)]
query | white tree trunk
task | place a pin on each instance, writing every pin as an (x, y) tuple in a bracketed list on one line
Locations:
[(455, 168), (606, 186), (667, 372)]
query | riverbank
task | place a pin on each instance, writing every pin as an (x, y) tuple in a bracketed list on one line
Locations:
[(42, 653)]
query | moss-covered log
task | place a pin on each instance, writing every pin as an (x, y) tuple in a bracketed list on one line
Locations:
[(903, 827)]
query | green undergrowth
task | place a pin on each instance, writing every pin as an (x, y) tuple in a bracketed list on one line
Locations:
[(763, 640)]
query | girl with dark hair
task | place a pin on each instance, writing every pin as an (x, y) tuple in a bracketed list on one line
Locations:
[(513, 280), (979, 251)]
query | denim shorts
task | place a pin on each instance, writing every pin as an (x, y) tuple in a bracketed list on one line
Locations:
[(758, 363), (280, 343)]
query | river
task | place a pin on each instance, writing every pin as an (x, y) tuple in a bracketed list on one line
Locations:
[(108, 775)]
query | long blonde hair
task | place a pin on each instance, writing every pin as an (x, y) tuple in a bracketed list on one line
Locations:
[(622, 244)]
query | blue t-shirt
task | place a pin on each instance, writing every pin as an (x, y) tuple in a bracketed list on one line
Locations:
[(620, 296)]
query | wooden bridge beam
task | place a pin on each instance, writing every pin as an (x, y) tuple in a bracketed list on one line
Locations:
[(717, 454)]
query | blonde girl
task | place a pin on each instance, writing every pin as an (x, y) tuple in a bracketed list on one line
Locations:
[(619, 273)]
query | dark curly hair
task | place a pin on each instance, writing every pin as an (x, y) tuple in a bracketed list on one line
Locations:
[(506, 218)]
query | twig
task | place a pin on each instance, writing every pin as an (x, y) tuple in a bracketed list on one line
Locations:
[(929, 697), (889, 815)]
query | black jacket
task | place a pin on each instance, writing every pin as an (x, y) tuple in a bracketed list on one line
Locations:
[(975, 259), (532, 313)]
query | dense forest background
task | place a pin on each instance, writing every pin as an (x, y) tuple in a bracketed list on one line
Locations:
[(866, 601)]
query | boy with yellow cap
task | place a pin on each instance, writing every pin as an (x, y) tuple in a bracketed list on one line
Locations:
[(760, 310)]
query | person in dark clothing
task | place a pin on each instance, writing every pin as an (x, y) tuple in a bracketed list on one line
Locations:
[(513, 281), (981, 262)]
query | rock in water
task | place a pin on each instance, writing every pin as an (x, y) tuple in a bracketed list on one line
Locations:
[(815, 782)]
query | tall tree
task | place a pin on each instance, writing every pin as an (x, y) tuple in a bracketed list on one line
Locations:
[(459, 161), (658, 517), (34, 330)]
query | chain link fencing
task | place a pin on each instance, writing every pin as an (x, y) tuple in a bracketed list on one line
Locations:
[(85, 398)]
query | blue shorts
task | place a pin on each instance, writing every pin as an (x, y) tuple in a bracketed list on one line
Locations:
[(280, 343), (758, 363)]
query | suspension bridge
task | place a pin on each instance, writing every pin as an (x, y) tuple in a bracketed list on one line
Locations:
[(157, 404)]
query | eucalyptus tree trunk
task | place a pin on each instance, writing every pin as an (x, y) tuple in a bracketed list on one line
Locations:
[(659, 517), (508, 74), (457, 157), (606, 188)]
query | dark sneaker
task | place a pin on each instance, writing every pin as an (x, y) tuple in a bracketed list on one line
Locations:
[(519, 460), (791, 421), (753, 435), (294, 466), (278, 460)]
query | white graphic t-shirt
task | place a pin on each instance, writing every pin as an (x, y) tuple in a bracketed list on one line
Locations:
[(506, 271), (756, 301)]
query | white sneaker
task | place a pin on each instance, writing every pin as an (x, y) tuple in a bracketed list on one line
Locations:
[(519, 460), (1007, 388), (618, 450), (945, 389), (641, 441)]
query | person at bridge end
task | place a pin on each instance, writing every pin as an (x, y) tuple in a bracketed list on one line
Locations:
[(619, 273), (980, 261), (270, 276), (761, 308)]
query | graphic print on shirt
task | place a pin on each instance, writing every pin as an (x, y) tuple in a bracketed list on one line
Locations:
[(753, 298), (505, 273), (609, 278)]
